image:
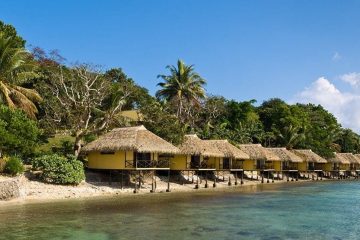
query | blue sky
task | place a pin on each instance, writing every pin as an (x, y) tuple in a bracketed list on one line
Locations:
[(244, 49)]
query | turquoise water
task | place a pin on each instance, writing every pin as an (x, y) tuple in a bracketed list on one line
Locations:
[(325, 210)]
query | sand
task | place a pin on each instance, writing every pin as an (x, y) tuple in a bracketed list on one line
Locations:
[(36, 191)]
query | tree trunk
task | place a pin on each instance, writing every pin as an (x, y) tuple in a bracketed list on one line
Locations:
[(77, 145)]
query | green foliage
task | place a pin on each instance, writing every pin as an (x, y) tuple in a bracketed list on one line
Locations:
[(16, 69), (14, 166), (183, 88), (19, 134), (162, 123), (62, 144), (59, 169), (2, 164), (9, 31)]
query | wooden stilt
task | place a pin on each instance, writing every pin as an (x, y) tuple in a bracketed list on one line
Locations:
[(229, 182), (122, 179), (262, 177), (135, 185), (252, 173), (109, 177), (273, 177), (236, 182), (242, 178), (288, 176), (268, 177), (152, 183), (197, 182), (223, 172), (168, 182), (206, 179), (297, 176), (214, 184)]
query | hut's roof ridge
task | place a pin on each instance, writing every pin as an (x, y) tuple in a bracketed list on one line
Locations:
[(308, 155), (136, 138), (257, 151), (229, 150), (193, 145), (339, 158), (286, 155)]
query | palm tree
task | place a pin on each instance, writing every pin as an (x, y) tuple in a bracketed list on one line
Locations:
[(183, 85), (15, 69)]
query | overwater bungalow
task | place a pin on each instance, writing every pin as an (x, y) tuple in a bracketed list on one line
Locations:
[(233, 160), (354, 164), (198, 156), (356, 167), (312, 163), (290, 162), (338, 166), (130, 148), (262, 161)]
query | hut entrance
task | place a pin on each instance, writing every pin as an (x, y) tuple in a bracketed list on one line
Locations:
[(142, 160), (311, 166), (260, 164), (226, 163), (195, 162)]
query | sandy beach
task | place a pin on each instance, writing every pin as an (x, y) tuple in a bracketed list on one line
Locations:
[(34, 191)]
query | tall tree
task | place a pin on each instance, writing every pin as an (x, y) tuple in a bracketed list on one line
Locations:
[(183, 88), (16, 69), (82, 94)]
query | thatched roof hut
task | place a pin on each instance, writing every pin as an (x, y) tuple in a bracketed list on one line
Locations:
[(229, 150), (339, 158), (350, 157), (286, 155), (308, 155), (137, 139), (258, 152), (193, 145)]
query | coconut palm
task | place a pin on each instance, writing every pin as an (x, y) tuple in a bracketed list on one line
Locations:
[(15, 69), (182, 86)]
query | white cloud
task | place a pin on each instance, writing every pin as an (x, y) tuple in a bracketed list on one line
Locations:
[(336, 57), (352, 78), (344, 105)]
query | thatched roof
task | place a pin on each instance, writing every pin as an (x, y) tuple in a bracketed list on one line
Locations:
[(350, 157), (339, 158), (256, 151), (228, 149), (137, 139), (193, 145), (286, 155), (357, 157), (308, 155)]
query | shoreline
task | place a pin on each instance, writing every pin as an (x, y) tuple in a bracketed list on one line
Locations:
[(48, 193)]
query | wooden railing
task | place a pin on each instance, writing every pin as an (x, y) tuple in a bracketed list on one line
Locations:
[(162, 163), (199, 165)]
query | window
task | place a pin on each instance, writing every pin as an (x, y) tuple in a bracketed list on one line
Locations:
[(107, 153), (143, 156)]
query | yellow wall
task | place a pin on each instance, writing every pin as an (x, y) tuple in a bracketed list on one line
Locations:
[(302, 166), (179, 162), (328, 166), (277, 166), (249, 165), (96, 160), (344, 166), (214, 162)]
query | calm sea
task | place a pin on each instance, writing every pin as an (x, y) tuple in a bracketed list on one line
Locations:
[(321, 210)]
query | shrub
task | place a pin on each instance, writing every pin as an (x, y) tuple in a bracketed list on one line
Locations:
[(14, 166), (2, 164), (59, 169)]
